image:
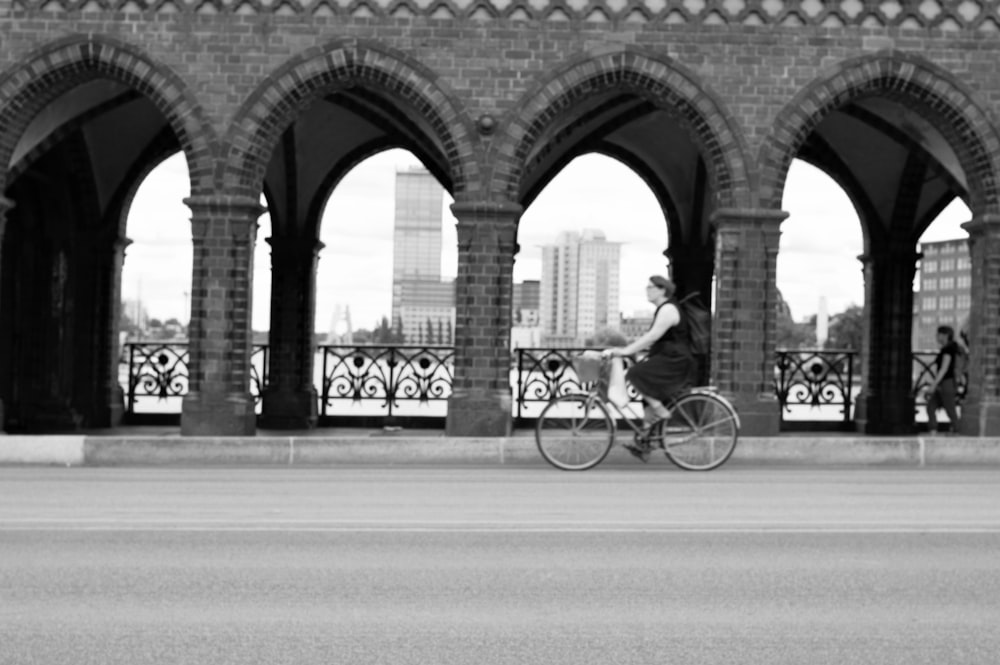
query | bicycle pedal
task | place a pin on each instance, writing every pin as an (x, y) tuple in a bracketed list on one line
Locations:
[(637, 452)]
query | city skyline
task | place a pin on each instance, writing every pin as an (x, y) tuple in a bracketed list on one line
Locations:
[(818, 256)]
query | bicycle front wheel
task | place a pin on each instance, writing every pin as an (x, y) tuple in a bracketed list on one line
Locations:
[(701, 432), (574, 432)]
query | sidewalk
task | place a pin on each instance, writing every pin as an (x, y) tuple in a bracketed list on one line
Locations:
[(150, 446)]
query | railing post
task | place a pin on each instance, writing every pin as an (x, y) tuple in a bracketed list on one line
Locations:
[(390, 389), (324, 383), (520, 383), (131, 378), (848, 397)]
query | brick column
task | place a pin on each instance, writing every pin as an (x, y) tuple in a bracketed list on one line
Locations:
[(886, 404), (116, 392), (745, 325), (289, 400), (981, 408), (5, 205), (481, 401), (218, 402)]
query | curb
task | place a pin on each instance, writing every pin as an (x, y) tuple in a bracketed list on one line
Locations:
[(400, 450)]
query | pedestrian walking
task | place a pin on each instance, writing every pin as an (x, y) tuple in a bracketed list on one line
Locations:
[(941, 392)]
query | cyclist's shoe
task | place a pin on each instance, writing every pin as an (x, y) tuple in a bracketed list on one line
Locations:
[(648, 437), (638, 450)]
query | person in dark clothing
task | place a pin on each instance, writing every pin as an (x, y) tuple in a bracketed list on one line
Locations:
[(669, 367), (942, 389)]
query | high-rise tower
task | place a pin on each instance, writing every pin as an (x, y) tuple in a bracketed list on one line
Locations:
[(422, 304), (579, 286)]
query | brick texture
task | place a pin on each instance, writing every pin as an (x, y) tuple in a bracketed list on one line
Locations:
[(483, 89)]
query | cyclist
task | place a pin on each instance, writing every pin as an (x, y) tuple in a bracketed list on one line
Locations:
[(668, 368)]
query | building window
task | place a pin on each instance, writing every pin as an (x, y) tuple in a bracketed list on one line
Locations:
[(964, 282), (947, 283), (930, 303), (930, 285), (930, 266), (964, 263), (947, 302), (963, 302), (947, 265)]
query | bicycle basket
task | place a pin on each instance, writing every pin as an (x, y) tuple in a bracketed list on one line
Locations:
[(588, 368)]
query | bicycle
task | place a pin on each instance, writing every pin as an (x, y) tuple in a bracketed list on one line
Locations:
[(576, 431)]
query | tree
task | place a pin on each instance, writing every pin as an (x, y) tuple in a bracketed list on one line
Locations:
[(606, 337), (846, 329), (792, 335)]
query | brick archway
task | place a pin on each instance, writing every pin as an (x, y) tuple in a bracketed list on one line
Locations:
[(934, 92), (55, 68), (339, 65), (627, 69)]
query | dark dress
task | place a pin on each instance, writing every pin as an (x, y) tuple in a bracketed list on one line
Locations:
[(670, 366)]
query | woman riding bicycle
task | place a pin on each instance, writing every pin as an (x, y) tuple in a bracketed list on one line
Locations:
[(669, 367)]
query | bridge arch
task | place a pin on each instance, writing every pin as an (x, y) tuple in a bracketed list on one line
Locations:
[(433, 120), (669, 86), (932, 91), (55, 68)]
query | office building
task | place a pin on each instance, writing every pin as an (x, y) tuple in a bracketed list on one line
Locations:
[(579, 287), (945, 280), (526, 301), (423, 305)]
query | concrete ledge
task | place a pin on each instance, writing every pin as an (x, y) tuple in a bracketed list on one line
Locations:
[(830, 450), (193, 450), (406, 448), (63, 450)]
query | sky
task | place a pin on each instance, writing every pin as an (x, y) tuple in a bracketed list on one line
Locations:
[(820, 240)]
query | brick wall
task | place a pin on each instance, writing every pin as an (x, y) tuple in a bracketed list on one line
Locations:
[(749, 84)]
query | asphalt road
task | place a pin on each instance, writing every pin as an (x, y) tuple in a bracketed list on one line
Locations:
[(489, 566)]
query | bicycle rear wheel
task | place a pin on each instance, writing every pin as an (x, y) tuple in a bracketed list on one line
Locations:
[(701, 432), (574, 432)]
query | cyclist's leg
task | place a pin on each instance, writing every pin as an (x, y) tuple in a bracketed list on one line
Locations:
[(654, 410)]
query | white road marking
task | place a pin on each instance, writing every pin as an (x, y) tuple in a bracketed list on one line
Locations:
[(444, 526)]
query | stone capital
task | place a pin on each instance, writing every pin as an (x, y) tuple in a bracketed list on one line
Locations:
[(878, 256), (725, 217), (487, 224), (225, 204), (495, 211), (224, 214), (982, 224), (294, 247)]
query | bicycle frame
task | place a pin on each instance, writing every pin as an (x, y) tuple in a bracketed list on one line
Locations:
[(627, 414)]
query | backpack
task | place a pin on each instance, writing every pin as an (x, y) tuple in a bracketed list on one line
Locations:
[(699, 323)]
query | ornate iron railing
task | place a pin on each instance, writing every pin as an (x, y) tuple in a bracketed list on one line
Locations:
[(822, 384), (543, 374), (388, 375), (260, 361), (154, 370), (828, 381), (816, 379)]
